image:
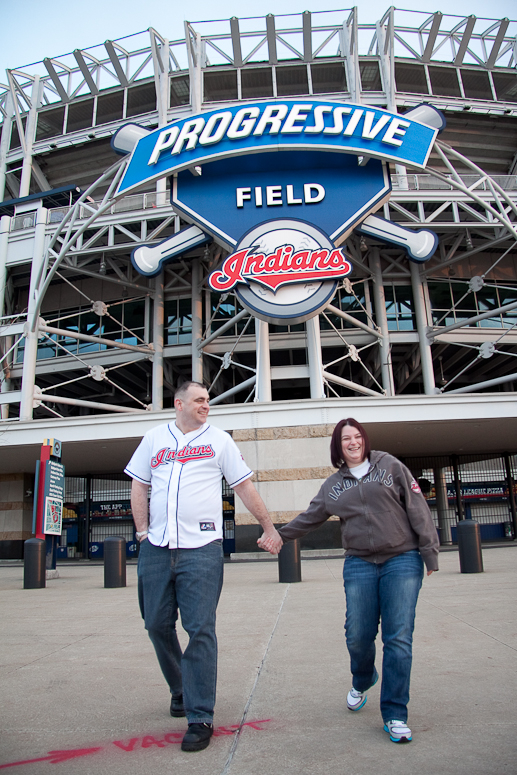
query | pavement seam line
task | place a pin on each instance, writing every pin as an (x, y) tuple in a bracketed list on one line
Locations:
[(459, 619), (237, 735)]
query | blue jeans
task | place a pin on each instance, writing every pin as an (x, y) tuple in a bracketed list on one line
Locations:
[(188, 580), (387, 592)]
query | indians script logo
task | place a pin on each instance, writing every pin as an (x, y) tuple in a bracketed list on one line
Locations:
[(185, 455), (282, 267), (283, 270)]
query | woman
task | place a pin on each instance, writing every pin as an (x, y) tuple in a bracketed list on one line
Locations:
[(388, 533)]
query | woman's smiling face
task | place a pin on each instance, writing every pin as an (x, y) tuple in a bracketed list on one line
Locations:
[(352, 445)]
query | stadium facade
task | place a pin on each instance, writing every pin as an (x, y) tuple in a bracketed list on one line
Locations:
[(420, 351)]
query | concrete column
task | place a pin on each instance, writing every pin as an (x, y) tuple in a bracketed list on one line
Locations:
[(379, 301), (314, 356), (5, 225), (30, 134), (422, 324), (446, 516), (158, 321), (31, 338), (263, 384), (197, 321), (5, 140)]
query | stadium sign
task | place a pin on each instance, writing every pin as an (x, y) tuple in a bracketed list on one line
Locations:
[(273, 126), (280, 184)]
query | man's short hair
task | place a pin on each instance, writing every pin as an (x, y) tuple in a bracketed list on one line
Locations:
[(182, 390)]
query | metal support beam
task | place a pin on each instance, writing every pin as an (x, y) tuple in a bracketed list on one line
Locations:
[(263, 392), (474, 319), (115, 61), (85, 71), (380, 314), (431, 38), (30, 134), (31, 336), (501, 32), (271, 39), (445, 514), (158, 322), (229, 323), (307, 36), (5, 225), (95, 339), (350, 319), (487, 384), (236, 41), (232, 391), (457, 488), (511, 494), (465, 40), (350, 50), (426, 358), (350, 385), (197, 321), (79, 402), (5, 139), (314, 357), (55, 80)]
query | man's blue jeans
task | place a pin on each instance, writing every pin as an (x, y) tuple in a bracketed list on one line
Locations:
[(387, 592), (188, 580)]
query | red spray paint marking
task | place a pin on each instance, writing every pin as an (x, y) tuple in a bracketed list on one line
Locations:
[(56, 757), (135, 743)]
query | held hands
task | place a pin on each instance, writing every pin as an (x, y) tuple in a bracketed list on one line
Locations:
[(270, 541)]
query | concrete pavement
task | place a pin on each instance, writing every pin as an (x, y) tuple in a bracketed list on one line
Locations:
[(78, 676)]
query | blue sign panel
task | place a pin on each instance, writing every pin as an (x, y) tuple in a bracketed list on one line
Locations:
[(233, 195), (276, 126)]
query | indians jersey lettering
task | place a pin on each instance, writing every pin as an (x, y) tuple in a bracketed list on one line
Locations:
[(185, 472), (184, 455)]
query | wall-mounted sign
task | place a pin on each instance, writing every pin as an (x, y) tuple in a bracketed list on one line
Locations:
[(260, 127), (283, 271), (280, 184), (53, 497)]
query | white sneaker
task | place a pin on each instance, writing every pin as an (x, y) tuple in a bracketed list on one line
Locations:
[(398, 731), (355, 700)]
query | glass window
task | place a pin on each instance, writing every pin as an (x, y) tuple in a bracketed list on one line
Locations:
[(399, 307), (180, 90), (476, 84), (256, 82), (80, 115), (109, 107), (141, 99), (328, 78), (178, 321), (347, 302), (221, 85), (505, 86), (370, 76), (292, 80), (410, 78), (444, 81), (50, 123)]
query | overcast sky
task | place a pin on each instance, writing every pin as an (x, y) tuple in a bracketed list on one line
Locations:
[(32, 29)]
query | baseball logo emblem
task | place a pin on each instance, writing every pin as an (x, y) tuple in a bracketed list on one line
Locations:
[(283, 271)]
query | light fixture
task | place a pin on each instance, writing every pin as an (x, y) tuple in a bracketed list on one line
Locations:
[(468, 241), (363, 247), (102, 267)]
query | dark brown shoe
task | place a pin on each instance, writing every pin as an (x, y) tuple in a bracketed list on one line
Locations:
[(197, 737)]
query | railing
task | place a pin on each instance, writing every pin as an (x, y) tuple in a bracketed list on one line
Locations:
[(430, 183)]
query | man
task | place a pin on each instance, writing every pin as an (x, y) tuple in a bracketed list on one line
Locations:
[(180, 566)]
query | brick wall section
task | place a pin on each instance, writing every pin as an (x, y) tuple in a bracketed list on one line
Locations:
[(286, 490)]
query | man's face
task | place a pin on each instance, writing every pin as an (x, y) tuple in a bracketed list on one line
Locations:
[(192, 409)]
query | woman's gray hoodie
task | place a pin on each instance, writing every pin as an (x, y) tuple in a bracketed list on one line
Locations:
[(382, 515)]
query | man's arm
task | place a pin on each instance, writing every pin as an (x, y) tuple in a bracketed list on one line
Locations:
[(139, 507), (270, 540)]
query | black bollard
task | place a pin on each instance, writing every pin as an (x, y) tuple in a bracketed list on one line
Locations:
[(34, 571), (469, 546), (289, 565), (114, 562)]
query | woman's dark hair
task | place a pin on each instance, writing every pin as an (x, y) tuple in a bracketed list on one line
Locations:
[(336, 451)]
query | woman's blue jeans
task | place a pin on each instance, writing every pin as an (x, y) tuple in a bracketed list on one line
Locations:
[(188, 580), (387, 592)]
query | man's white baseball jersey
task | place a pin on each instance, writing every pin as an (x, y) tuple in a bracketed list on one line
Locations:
[(185, 473)]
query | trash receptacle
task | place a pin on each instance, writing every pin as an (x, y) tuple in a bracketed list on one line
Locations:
[(34, 570), (114, 562), (289, 564), (469, 546)]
